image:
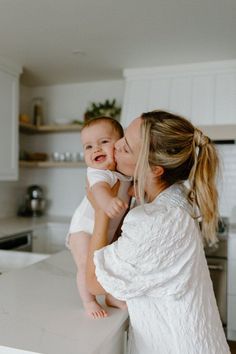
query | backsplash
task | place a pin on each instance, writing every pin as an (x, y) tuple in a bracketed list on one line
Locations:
[(227, 181), (10, 196)]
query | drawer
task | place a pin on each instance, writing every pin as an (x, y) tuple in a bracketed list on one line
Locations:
[(232, 313)]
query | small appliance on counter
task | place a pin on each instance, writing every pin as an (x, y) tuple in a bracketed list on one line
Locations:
[(34, 203)]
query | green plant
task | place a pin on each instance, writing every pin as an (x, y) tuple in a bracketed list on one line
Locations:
[(107, 108)]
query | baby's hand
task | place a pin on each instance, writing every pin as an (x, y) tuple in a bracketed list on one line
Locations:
[(115, 207)]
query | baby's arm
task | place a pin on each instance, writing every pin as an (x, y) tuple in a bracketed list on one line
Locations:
[(112, 206)]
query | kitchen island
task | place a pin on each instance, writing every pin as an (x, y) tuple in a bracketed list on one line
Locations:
[(41, 312)]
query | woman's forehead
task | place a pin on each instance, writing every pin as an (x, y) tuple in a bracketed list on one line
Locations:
[(132, 134)]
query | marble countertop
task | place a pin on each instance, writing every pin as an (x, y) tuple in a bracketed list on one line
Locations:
[(40, 311), (17, 224)]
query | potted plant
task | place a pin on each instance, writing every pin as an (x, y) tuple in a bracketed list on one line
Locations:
[(108, 108)]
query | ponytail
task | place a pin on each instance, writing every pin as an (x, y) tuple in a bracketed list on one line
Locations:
[(202, 180)]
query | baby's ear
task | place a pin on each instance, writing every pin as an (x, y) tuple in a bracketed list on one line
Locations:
[(158, 171)]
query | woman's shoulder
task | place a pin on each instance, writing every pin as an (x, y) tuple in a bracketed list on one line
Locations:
[(171, 205), (175, 195)]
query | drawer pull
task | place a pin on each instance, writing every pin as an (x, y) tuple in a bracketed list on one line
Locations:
[(215, 267)]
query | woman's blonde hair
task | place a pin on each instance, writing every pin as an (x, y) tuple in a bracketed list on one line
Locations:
[(185, 154)]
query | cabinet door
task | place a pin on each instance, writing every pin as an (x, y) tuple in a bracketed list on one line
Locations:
[(225, 99), (8, 127), (159, 94), (203, 100), (180, 95), (135, 100)]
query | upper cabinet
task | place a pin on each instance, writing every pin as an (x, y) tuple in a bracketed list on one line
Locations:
[(9, 103), (205, 92)]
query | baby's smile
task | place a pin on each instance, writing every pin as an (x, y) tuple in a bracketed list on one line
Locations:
[(100, 158)]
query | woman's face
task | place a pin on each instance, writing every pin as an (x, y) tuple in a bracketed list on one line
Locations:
[(127, 148)]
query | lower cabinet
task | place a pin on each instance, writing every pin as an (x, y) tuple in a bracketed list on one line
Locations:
[(231, 293)]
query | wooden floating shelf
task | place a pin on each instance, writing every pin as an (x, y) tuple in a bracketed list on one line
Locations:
[(48, 164), (52, 128)]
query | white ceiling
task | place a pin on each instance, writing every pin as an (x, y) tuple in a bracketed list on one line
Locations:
[(111, 35)]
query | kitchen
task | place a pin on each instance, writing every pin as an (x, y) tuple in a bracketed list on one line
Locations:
[(204, 90)]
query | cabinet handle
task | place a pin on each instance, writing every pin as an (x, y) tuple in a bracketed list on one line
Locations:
[(215, 267)]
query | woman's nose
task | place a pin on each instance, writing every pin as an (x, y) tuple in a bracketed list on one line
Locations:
[(118, 145)]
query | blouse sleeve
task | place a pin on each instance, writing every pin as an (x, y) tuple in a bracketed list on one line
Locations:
[(94, 176), (155, 255)]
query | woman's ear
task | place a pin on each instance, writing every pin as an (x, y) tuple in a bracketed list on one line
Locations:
[(158, 171)]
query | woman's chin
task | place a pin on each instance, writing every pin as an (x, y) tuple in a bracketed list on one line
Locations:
[(125, 171)]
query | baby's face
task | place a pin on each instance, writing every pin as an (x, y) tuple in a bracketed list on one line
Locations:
[(98, 143)]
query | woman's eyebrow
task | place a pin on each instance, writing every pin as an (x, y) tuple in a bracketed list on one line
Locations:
[(128, 144)]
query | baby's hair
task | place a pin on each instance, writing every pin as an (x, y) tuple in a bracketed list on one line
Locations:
[(113, 122)]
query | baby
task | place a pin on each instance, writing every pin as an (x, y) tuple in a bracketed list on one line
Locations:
[(98, 138)]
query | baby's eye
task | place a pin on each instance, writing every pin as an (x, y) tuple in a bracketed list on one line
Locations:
[(105, 141), (87, 147)]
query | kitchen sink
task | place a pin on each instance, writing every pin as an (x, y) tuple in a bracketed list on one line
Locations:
[(11, 260)]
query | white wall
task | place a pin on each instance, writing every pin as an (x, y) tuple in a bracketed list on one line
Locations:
[(69, 102), (64, 188)]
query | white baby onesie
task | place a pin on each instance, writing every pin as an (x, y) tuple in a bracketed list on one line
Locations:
[(83, 217)]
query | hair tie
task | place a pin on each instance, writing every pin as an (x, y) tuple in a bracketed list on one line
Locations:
[(199, 138)]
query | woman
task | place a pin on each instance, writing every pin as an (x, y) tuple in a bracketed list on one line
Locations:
[(158, 265)]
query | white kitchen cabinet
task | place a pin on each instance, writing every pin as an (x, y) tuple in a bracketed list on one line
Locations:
[(225, 98), (9, 103), (205, 92), (180, 95), (159, 93), (135, 100), (231, 288)]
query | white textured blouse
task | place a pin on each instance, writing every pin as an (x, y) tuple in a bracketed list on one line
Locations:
[(159, 268)]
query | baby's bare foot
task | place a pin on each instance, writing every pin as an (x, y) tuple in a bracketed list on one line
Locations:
[(94, 310), (113, 302)]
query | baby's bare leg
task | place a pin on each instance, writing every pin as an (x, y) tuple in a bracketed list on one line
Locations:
[(79, 245), (113, 302)]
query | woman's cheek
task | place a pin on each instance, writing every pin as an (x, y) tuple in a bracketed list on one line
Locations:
[(125, 166)]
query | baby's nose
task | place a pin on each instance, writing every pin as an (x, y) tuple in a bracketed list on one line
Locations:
[(97, 147)]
